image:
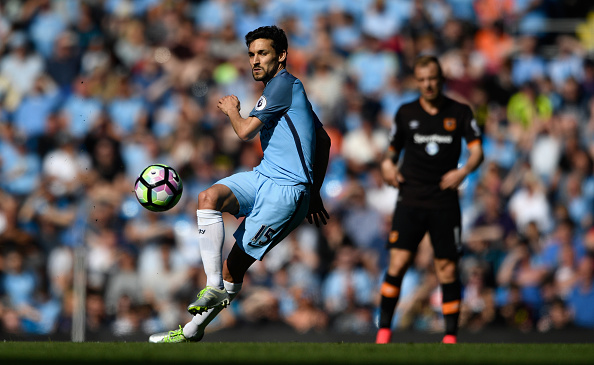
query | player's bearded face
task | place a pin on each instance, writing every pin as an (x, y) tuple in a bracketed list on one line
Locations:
[(428, 81), (264, 60)]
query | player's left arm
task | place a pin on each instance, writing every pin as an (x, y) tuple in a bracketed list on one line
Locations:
[(245, 128), (472, 133), (317, 212)]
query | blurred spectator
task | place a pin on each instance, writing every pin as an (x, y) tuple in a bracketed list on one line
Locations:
[(46, 25), (529, 203), (494, 43), (361, 222), (478, 306), (132, 47), (528, 65), (21, 66), (126, 109), (20, 166), (64, 64), (123, 281), (557, 317), (463, 67), (96, 317), (372, 66), (65, 167), (19, 281), (363, 146), (562, 252), (306, 316), (80, 109), (568, 62), (345, 34), (163, 272), (519, 279), (382, 19), (48, 215), (527, 108), (347, 284), (494, 222), (582, 295), (30, 116)]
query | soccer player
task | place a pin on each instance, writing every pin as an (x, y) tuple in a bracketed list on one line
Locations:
[(275, 197), (430, 131)]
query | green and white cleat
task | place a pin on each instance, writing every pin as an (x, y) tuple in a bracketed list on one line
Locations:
[(209, 297), (175, 336)]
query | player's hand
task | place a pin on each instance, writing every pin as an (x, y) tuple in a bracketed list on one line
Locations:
[(452, 179), (391, 174), (228, 104), (317, 213)]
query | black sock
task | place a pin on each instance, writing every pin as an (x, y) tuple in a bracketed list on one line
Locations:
[(452, 295), (390, 292)]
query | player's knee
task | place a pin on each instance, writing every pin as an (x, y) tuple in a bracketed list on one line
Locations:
[(397, 268), (446, 270), (207, 199), (399, 262)]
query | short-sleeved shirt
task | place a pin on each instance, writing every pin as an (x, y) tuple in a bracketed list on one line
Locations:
[(432, 145), (288, 135)]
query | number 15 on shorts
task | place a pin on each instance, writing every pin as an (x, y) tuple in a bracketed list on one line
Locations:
[(262, 237)]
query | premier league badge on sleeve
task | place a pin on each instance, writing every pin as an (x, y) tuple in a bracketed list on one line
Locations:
[(261, 104)]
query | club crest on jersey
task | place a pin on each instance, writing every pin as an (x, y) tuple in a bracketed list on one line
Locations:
[(449, 124), (261, 104), (413, 124)]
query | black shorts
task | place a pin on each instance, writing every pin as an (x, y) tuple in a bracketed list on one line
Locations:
[(410, 224)]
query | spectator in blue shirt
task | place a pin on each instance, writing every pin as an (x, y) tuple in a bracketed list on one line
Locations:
[(582, 296)]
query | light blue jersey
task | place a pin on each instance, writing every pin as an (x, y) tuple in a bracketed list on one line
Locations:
[(274, 198), (288, 135)]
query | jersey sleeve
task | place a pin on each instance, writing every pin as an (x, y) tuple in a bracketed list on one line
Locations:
[(275, 100), (397, 133), (472, 132)]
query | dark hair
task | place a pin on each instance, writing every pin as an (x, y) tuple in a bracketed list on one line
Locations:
[(423, 61), (274, 33)]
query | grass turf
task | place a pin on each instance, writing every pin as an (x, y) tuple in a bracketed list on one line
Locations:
[(292, 353)]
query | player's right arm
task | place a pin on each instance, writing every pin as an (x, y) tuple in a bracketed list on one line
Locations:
[(389, 165), (317, 213), (245, 128)]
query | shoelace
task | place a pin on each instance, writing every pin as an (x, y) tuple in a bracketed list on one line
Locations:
[(175, 333), (201, 294)]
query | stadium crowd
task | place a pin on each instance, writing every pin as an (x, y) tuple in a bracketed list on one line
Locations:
[(93, 91)]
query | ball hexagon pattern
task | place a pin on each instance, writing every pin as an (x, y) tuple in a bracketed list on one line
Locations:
[(158, 188)]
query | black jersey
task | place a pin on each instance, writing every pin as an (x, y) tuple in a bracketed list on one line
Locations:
[(432, 145)]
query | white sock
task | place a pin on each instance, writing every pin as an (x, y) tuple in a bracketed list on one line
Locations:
[(211, 236), (200, 321), (232, 288)]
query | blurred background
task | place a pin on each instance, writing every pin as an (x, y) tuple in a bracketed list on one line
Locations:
[(93, 91)]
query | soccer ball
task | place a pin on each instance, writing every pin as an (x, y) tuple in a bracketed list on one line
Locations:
[(158, 188)]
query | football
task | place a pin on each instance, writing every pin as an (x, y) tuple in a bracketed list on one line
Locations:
[(158, 188)]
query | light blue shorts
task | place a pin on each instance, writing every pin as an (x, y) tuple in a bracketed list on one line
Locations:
[(271, 211)]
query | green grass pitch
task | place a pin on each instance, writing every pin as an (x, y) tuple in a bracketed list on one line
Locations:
[(292, 353)]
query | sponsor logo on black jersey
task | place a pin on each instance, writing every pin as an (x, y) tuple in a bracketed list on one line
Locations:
[(432, 142), (435, 138)]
